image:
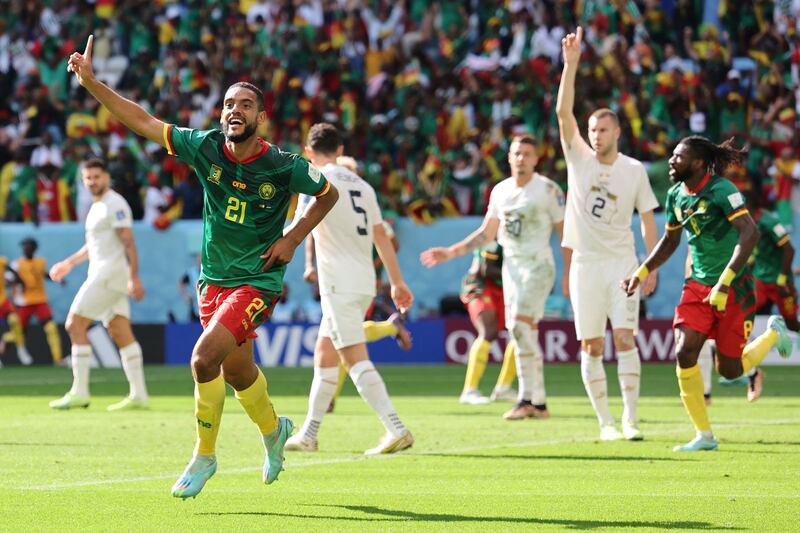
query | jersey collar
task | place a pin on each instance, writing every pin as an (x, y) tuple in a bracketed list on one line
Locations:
[(264, 146), (700, 186)]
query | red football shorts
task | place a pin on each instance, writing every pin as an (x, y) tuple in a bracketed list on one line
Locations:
[(770, 292), (41, 311), (240, 309), (731, 328), (489, 299), (6, 308)]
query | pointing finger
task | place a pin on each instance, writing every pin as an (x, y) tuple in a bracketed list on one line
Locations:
[(579, 35), (88, 53)]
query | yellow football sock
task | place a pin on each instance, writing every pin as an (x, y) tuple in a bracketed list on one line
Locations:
[(209, 398), (53, 340), (478, 357), (340, 382), (508, 372), (15, 330), (691, 384), (256, 402), (378, 330), (757, 349)]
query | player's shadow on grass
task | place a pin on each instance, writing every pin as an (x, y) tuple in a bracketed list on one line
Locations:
[(378, 514), (554, 457)]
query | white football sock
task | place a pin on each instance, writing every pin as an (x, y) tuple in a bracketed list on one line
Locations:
[(323, 387), (81, 360), (371, 387), (629, 372), (594, 380), (132, 364)]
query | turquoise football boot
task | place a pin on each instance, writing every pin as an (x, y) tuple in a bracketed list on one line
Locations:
[(274, 444), (194, 478), (784, 342), (698, 444)]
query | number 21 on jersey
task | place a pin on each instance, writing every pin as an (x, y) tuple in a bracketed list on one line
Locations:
[(236, 210)]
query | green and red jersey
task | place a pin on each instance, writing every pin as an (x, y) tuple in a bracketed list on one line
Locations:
[(486, 265), (768, 255), (245, 203), (706, 214)]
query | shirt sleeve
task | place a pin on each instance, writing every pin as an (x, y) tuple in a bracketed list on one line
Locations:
[(729, 199), (373, 209), (778, 233), (669, 210), (306, 178), (557, 204), (120, 214), (645, 198), (576, 151), (492, 211), (183, 142)]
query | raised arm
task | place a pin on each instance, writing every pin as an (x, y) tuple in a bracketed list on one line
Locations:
[(135, 287), (566, 256), (60, 270), (483, 235), (129, 113), (401, 294), (571, 49)]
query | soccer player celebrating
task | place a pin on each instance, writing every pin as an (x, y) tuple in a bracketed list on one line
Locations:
[(718, 299), (604, 187), (113, 275), (523, 210), (343, 248), (482, 294), (248, 184)]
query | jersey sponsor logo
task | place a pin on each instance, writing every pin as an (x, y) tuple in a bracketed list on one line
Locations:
[(736, 200), (702, 207), (313, 173), (266, 191), (239, 185), (120, 215), (215, 174)]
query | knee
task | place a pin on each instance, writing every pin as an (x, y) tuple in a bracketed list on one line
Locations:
[(593, 347), (525, 338), (729, 367), (74, 327), (237, 379), (490, 333), (204, 367), (624, 340), (687, 357)]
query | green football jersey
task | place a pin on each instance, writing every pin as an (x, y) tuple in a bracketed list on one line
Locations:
[(245, 204), (768, 254), (706, 215), (487, 263)]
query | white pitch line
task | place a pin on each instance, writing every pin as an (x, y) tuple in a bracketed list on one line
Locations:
[(353, 459)]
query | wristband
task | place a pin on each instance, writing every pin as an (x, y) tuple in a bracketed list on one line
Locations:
[(641, 272), (727, 276), (781, 281)]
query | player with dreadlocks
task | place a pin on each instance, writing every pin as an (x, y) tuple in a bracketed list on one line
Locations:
[(718, 299)]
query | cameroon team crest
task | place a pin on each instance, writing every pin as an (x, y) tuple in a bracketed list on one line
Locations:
[(215, 174), (266, 191)]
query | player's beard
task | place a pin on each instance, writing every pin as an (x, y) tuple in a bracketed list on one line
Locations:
[(678, 177), (249, 130)]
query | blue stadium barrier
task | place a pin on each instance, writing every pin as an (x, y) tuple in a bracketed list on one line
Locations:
[(166, 255)]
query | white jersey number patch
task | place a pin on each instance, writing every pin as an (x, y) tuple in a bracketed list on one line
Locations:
[(601, 204)]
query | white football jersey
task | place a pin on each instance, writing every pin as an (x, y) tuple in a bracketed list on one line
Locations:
[(600, 201), (343, 240), (107, 259), (527, 215)]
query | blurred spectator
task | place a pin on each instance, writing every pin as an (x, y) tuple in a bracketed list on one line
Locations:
[(417, 86)]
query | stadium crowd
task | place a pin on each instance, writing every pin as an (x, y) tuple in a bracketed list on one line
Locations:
[(428, 93)]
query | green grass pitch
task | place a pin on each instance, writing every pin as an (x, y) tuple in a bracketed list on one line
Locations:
[(90, 470)]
